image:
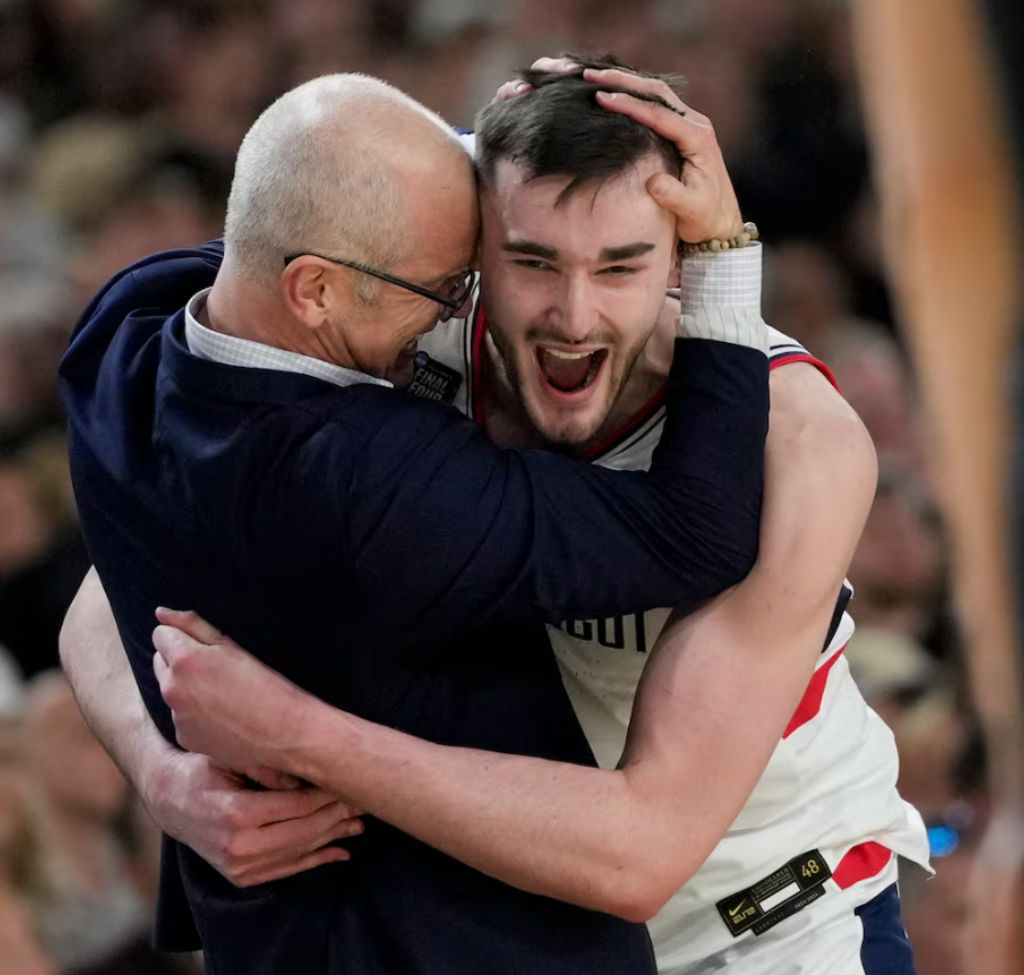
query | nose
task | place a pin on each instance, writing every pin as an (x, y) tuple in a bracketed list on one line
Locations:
[(577, 312)]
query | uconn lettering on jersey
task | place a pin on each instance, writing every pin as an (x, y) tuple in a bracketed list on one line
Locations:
[(615, 633), (637, 632)]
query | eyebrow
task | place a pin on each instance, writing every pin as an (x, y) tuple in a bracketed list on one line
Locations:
[(530, 247), (624, 252)]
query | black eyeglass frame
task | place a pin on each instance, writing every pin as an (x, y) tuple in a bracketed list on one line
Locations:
[(452, 304)]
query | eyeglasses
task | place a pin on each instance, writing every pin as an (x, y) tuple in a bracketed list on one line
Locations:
[(451, 298)]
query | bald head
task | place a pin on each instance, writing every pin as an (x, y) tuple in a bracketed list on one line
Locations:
[(337, 165)]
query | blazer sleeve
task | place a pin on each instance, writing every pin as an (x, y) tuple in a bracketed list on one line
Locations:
[(444, 530)]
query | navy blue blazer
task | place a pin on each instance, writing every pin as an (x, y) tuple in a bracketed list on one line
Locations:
[(380, 551)]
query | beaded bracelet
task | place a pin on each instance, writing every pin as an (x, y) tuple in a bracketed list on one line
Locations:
[(748, 236)]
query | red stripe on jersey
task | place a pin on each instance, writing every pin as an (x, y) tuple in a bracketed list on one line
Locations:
[(622, 431), (788, 360), (861, 863), (810, 703), (477, 405)]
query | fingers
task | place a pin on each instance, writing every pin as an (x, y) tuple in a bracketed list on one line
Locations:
[(617, 78), (300, 836), (267, 808), (562, 65), (282, 849), (271, 778), (669, 193), (189, 622), (511, 89), (330, 854), (691, 132), (161, 670), (173, 644)]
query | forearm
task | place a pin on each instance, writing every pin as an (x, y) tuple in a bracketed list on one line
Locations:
[(616, 841), (713, 703), (105, 688), (950, 222), (519, 819)]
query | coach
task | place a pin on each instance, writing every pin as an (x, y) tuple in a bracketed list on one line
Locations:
[(244, 455)]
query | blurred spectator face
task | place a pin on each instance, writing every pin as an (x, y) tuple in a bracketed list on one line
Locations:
[(33, 335), (876, 382), (304, 24), (74, 15), (160, 217), (72, 769), (930, 735), (752, 26), (897, 567), (569, 317), (805, 293), (626, 29), (25, 528), (556, 16), (719, 82), (11, 787), (226, 78), (935, 914)]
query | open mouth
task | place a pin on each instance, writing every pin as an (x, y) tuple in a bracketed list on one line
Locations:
[(570, 372)]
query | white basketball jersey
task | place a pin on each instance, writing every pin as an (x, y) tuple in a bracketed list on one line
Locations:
[(825, 816)]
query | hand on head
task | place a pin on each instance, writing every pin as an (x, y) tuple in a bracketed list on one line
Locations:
[(702, 197)]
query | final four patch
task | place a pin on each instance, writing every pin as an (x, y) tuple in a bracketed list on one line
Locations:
[(790, 889), (434, 380)]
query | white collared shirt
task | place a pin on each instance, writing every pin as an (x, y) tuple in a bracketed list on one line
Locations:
[(233, 351)]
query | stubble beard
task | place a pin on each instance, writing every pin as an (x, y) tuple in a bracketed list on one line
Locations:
[(565, 438)]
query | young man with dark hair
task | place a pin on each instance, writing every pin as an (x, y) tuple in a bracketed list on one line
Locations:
[(569, 345)]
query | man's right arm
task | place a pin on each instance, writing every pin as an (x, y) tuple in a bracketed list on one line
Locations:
[(442, 528), (250, 837), (716, 695), (476, 534)]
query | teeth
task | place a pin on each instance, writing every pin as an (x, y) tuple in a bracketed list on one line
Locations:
[(559, 354)]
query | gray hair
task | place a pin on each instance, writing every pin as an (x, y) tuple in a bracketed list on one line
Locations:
[(315, 173)]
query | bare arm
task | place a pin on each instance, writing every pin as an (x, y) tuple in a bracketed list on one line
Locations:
[(531, 822), (96, 666), (951, 225), (951, 210), (250, 837)]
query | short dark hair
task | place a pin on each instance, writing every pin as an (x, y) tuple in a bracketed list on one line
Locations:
[(559, 128)]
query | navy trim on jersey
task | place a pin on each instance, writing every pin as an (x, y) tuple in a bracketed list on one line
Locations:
[(845, 595), (885, 948)]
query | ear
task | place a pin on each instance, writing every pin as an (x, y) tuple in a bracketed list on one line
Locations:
[(309, 290), (674, 268)]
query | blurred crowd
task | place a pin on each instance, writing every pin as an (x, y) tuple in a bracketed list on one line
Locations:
[(119, 120)]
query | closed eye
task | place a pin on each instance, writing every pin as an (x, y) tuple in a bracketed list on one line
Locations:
[(534, 265)]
